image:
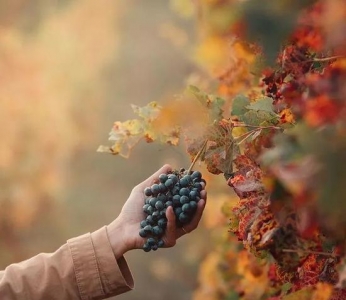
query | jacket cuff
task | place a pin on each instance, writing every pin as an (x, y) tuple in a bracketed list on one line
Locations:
[(98, 273), (115, 274)]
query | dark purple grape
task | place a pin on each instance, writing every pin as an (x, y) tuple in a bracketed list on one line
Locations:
[(184, 217), (155, 189), (162, 223), (153, 201), (163, 178), (154, 247), (146, 247), (143, 223), (193, 205), (149, 220), (176, 200), (148, 229), (186, 208), (169, 183), (145, 208), (197, 175), (184, 192), (151, 241), (147, 191), (184, 200), (159, 205)]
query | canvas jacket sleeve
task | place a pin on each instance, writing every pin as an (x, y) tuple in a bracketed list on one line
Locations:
[(83, 268)]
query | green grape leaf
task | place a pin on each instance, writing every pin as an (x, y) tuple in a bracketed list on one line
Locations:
[(263, 104), (212, 103), (239, 105), (125, 135), (256, 118)]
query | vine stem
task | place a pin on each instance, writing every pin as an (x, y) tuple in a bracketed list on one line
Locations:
[(197, 156), (327, 58), (310, 252)]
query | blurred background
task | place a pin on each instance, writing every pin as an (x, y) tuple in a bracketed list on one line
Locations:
[(68, 70)]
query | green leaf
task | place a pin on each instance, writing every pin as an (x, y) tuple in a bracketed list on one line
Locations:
[(211, 102), (239, 105), (286, 287), (303, 294), (256, 118), (263, 104)]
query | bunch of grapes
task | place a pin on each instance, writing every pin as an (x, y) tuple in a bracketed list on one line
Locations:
[(179, 189)]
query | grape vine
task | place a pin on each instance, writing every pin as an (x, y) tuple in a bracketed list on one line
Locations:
[(277, 133)]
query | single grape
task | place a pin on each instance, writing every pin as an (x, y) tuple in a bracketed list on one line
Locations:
[(176, 200), (143, 233), (198, 186), (150, 210), (155, 215), (175, 190), (151, 241), (163, 178), (193, 195), (146, 247), (193, 205), (155, 189), (162, 223), (197, 175), (186, 208), (159, 205), (143, 223), (184, 217), (174, 178), (184, 182), (148, 229), (145, 208), (147, 191), (154, 247), (184, 200), (149, 220), (169, 183), (184, 192)]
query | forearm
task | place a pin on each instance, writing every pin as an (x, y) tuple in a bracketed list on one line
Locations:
[(84, 268)]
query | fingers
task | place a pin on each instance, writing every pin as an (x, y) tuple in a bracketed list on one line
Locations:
[(170, 236), (150, 180), (197, 217)]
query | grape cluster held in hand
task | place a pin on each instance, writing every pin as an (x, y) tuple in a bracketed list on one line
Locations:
[(179, 189)]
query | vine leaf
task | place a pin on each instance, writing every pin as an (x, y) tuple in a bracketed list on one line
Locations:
[(125, 135), (239, 105), (213, 103), (263, 104)]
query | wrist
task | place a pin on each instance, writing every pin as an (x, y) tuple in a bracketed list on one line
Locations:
[(117, 238)]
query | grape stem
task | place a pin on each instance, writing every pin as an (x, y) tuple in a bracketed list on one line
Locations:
[(327, 58), (197, 156), (310, 252)]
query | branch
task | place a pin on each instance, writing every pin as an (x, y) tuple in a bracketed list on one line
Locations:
[(197, 156)]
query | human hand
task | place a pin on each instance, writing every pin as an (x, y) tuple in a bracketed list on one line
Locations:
[(123, 231)]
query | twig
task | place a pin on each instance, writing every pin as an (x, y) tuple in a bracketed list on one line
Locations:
[(327, 58), (197, 156), (310, 252)]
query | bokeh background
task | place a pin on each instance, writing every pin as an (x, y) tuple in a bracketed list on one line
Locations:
[(68, 70)]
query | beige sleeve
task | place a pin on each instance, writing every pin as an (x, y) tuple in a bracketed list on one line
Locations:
[(84, 268)]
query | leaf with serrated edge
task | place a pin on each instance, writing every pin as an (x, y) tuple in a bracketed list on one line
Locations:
[(263, 104)]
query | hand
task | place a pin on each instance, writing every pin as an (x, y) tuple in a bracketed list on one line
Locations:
[(123, 231)]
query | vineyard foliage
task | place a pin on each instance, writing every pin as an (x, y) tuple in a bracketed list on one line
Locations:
[(267, 110)]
